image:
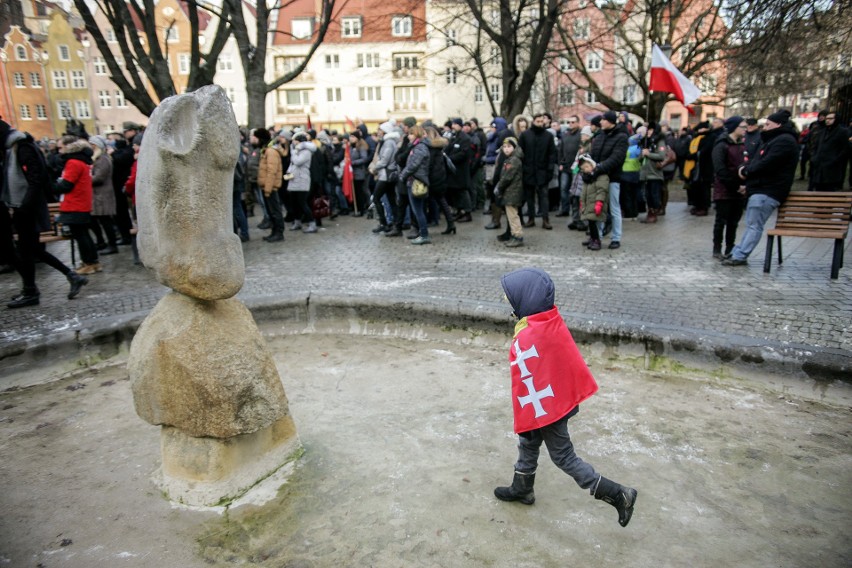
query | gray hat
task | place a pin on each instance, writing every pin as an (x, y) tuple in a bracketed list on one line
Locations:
[(98, 141), (285, 134)]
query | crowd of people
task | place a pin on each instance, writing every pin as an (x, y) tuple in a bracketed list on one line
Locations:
[(407, 175)]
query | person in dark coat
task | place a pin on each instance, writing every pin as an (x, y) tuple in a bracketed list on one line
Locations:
[(417, 170), (567, 152), (539, 149), (728, 188), (494, 154), (609, 150), (751, 141), (703, 180), (438, 175), (828, 164), (24, 188), (458, 182), (768, 179)]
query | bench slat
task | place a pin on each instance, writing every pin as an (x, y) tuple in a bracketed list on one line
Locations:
[(807, 233)]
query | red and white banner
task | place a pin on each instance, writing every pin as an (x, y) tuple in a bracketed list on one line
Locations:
[(666, 78), (549, 375)]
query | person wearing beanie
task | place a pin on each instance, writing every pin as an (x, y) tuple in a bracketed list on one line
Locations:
[(752, 137), (269, 181), (768, 180), (595, 123), (539, 159), (609, 150), (25, 193), (728, 188), (828, 163), (459, 181), (103, 202)]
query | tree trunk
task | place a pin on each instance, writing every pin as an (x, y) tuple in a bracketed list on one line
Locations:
[(256, 90)]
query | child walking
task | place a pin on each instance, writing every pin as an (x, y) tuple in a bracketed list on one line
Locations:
[(510, 189), (549, 381), (593, 201)]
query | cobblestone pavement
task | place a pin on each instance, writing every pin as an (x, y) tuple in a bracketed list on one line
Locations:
[(663, 277)]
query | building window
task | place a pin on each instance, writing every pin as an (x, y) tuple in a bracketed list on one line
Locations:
[(452, 38), (452, 75), (401, 26), (100, 65), (581, 28), (628, 94), (406, 95), (707, 84), (350, 26), (225, 63), (20, 53), (594, 62), (295, 97), (183, 63), (19, 80), (405, 61), (302, 28), (60, 80), (566, 95), (104, 99), (591, 98), (630, 62), (25, 112), (64, 108), (332, 61), (284, 65), (78, 80), (369, 93), (334, 95), (368, 60), (494, 54), (120, 102), (232, 94), (565, 65), (111, 35), (495, 93), (172, 35), (83, 109), (64, 53), (478, 94), (41, 112)]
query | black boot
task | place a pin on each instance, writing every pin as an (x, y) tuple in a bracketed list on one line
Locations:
[(505, 236), (621, 497), (520, 490), (76, 282), (24, 299)]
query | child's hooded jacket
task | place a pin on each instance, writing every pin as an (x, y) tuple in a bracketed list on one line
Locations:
[(549, 376)]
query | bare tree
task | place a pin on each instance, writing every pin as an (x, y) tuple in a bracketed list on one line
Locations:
[(147, 60), (254, 58)]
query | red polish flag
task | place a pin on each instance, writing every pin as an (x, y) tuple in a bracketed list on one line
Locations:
[(348, 174), (549, 375), (666, 78)]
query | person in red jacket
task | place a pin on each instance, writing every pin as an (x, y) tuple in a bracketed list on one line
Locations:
[(549, 381), (75, 187)]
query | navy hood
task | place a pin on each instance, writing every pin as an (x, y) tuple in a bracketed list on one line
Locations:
[(500, 123), (529, 290)]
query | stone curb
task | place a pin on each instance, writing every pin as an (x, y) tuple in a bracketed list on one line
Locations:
[(100, 339)]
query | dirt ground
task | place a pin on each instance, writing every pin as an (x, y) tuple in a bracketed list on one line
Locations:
[(405, 439)]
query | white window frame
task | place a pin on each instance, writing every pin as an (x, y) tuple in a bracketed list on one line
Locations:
[(406, 61), (99, 65), (60, 79), (452, 75), (232, 94), (304, 96), (82, 108), (64, 52), (401, 26), (566, 95), (25, 113), (111, 38), (18, 78), (582, 28), (452, 37), (565, 65), (78, 79), (62, 107), (332, 61), (120, 101), (350, 27), (591, 98), (297, 29), (594, 62), (41, 112), (407, 95), (225, 63), (369, 94), (334, 94), (496, 92), (172, 34), (628, 93), (21, 53), (104, 99), (478, 94), (368, 60), (183, 63)]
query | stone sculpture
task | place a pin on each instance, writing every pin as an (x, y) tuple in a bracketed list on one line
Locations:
[(198, 364)]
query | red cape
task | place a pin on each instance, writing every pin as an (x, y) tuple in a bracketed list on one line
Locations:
[(549, 376)]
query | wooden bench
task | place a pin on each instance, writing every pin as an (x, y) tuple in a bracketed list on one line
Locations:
[(812, 214), (55, 232)]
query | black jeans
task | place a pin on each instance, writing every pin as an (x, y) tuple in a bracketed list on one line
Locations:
[(88, 250), (276, 215), (104, 222), (386, 188), (653, 189), (530, 193), (728, 215), (30, 250), (301, 210)]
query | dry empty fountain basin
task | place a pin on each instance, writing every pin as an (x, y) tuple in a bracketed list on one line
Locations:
[(406, 430)]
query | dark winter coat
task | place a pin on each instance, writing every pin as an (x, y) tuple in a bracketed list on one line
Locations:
[(495, 140), (417, 165), (458, 151), (828, 164), (539, 156), (568, 148), (609, 150), (772, 171), (727, 159), (752, 143), (32, 172), (437, 167), (593, 192), (511, 183), (705, 158), (103, 200)]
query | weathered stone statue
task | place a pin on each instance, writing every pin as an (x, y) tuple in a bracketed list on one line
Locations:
[(198, 364)]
